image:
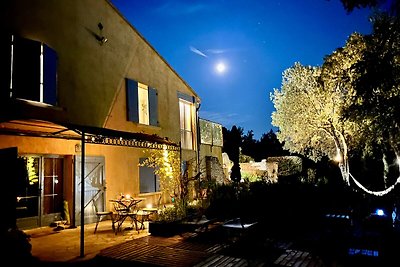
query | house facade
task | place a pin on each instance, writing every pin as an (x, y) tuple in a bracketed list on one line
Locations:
[(85, 98)]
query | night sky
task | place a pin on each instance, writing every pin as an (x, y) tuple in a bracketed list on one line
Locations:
[(254, 40)]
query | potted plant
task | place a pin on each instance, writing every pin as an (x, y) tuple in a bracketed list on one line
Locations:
[(174, 183), (167, 222)]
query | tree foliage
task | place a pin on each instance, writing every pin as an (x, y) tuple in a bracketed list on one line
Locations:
[(309, 115), (350, 104), (251, 149), (391, 6), (375, 103), (175, 180)]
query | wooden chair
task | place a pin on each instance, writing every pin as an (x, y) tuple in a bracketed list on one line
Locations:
[(101, 215)]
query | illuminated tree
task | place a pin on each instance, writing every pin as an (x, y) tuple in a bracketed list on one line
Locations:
[(174, 180), (375, 103), (309, 116), (349, 104)]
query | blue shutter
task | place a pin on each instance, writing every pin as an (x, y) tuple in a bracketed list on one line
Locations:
[(5, 63), (132, 100), (50, 75), (153, 106)]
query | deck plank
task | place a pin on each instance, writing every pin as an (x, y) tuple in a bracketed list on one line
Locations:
[(296, 258)]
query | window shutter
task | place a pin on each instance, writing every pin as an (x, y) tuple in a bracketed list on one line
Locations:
[(153, 106), (26, 69), (5, 77), (132, 100), (49, 75)]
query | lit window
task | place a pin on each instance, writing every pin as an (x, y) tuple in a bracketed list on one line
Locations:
[(186, 121), (142, 103), (143, 95)]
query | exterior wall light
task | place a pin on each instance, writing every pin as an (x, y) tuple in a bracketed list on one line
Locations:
[(102, 39)]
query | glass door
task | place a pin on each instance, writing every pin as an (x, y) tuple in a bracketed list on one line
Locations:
[(52, 190), (40, 193)]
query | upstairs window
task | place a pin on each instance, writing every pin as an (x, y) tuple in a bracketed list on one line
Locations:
[(142, 101), (30, 70), (187, 120)]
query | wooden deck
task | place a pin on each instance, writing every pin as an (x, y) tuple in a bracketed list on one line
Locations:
[(196, 250), (297, 258), (177, 251)]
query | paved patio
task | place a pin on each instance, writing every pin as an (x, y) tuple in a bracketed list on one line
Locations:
[(50, 245)]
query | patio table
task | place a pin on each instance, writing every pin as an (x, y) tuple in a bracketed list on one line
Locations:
[(126, 208)]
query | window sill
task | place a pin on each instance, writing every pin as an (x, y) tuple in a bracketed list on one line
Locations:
[(149, 194), (37, 104), (140, 125)]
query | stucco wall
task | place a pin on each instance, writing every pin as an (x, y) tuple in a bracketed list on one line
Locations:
[(121, 163), (91, 76)]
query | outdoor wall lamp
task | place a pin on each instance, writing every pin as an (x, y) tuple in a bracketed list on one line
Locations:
[(102, 39)]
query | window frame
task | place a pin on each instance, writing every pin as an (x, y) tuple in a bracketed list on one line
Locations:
[(143, 170), (31, 73), (133, 100), (187, 101)]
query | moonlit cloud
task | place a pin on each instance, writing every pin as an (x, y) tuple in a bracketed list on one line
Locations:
[(216, 51), (212, 51), (197, 51)]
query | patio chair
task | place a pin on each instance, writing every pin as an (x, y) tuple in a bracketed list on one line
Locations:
[(124, 210), (101, 215), (148, 212)]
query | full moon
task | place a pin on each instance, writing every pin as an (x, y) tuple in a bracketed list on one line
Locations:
[(220, 67)]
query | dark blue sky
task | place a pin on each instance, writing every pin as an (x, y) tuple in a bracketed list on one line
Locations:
[(256, 40)]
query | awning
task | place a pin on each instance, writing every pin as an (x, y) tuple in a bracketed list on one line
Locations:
[(93, 135)]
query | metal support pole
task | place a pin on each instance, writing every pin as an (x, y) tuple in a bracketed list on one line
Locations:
[(82, 244)]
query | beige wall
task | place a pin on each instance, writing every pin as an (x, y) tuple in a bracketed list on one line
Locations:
[(91, 76), (121, 163), (91, 84), (208, 150)]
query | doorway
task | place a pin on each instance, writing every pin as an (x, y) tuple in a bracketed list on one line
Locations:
[(94, 194), (40, 192)]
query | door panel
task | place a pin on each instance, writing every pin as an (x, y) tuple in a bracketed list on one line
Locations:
[(40, 200), (8, 164), (94, 188), (28, 199), (52, 198)]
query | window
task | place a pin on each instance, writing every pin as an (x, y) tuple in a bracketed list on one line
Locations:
[(31, 70), (142, 101), (186, 112), (143, 95), (149, 182)]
